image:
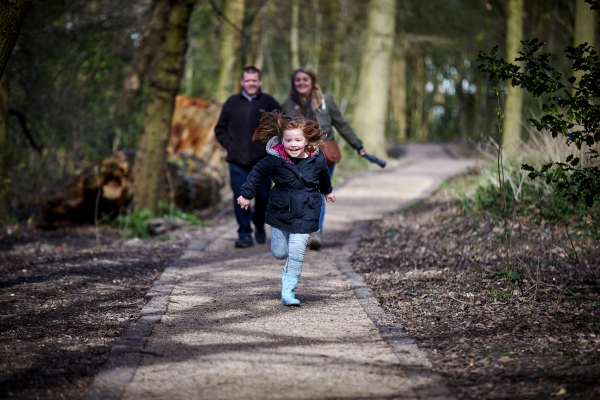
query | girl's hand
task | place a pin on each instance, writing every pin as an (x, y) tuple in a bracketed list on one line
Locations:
[(243, 202), (330, 198)]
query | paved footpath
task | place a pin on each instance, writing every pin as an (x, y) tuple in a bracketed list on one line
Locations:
[(214, 327)]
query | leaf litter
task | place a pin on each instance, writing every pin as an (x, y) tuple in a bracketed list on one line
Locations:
[(496, 321)]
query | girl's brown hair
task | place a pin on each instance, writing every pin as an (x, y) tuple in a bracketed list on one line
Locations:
[(316, 94), (274, 123)]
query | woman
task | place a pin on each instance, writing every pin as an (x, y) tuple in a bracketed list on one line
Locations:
[(306, 100)]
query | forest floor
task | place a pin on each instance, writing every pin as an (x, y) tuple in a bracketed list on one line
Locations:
[(444, 276), (67, 294)]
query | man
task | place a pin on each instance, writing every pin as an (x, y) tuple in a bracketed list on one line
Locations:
[(239, 119)]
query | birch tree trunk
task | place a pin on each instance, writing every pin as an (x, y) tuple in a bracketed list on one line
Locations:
[(294, 35), (230, 43), (584, 28), (12, 14), (398, 91), (513, 107), (372, 105), (4, 95), (164, 85)]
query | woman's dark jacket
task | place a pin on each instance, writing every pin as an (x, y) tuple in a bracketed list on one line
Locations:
[(328, 115), (295, 200)]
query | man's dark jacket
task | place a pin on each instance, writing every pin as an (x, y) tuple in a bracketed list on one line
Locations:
[(295, 200), (237, 123)]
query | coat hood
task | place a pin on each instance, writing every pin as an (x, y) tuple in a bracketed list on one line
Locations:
[(275, 148)]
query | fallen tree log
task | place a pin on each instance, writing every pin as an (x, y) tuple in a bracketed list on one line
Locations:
[(105, 189), (192, 177)]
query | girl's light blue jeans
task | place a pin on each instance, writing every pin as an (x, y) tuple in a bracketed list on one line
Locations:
[(291, 246)]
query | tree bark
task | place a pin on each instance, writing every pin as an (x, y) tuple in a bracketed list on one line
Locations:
[(151, 40), (294, 35), (316, 48), (585, 25), (230, 42), (513, 107), (4, 184), (159, 110), (12, 14), (417, 74), (398, 92), (371, 108)]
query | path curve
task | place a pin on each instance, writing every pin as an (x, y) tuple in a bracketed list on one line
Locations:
[(215, 329)]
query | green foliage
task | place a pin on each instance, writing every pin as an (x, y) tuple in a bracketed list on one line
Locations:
[(569, 109), (531, 200), (136, 223), (510, 274), (165, 211)]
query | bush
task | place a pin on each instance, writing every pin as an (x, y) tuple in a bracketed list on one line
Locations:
[(513, 193), (137, 222)]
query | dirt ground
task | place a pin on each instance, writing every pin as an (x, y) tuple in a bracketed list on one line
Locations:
[(445, 277), (65, 296)]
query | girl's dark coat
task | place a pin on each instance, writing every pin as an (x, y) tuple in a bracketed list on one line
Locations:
[(295, 200)]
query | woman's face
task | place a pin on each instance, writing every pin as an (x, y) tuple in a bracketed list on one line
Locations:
[(294, 143), (303, 84)]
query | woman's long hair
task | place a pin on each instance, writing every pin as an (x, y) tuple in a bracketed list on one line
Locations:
[(316, 94), (274, 123)]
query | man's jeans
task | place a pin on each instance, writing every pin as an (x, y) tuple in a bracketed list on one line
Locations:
[(238, 176), (330, 168), (291, 246)]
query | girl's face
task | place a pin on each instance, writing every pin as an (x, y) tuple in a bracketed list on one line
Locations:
[(294, 143), (303, 84)]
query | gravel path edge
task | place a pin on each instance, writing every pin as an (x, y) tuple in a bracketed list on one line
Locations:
[(411, 358), (126, 352)]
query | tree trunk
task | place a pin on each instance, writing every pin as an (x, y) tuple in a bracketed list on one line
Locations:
[(513, 107), (416, 94), (584, 27), (230, 42), (294, 35), (4, 184), (159, 110), (398, 92), (12, 14), (151, 40), (341, 14), (371, 108), (316, 48)]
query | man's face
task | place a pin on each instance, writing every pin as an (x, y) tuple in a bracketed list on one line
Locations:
[(251, 83)]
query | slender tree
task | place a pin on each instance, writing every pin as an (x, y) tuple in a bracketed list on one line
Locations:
[(151, 40), (233, 21), (4, 94), (164, 84), (12, 14), (584, 27), (513, 108), (294, 34), (398, 91), (371, 108)]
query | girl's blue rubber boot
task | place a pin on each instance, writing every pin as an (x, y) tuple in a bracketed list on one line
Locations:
[(288, 284)]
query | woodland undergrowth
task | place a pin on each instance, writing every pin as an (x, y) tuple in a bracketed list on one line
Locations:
[(499, 283)]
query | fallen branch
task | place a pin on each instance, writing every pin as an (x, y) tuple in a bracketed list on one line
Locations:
[(567, 291)]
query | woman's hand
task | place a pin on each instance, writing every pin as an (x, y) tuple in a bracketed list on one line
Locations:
[(330, 197), (361, 151), (243, 202)]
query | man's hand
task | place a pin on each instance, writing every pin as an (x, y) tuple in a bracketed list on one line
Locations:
[(361, 151), (243, 202), (330, 197)]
